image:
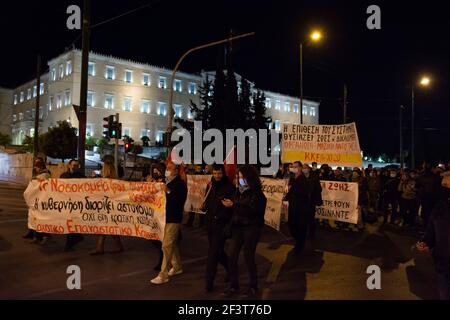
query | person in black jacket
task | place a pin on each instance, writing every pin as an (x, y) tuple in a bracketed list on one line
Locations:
[(305, 193), (391, 196), (249, 205), (217, 218), (437, 238), (73, 172), (176, 194)]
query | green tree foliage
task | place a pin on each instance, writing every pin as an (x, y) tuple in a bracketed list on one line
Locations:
[(4, 139), (60, 142)]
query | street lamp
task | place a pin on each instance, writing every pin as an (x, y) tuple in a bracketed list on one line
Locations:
[(424, 82), (315, 36)]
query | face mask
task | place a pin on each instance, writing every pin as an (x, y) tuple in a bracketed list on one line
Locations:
[(393, 175), (242, 182), (305, 171), (371, 174), (293, 170), (412, 176)]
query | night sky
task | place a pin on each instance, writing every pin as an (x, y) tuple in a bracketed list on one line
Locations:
[(378, 66)]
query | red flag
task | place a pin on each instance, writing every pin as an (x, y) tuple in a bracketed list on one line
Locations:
[(230, 164)]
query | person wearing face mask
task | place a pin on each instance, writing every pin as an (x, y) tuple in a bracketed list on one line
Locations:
[(373, 186), (391, 197), (217, 219), (73, 172), (305, 193), (247, 221), (176, 194)]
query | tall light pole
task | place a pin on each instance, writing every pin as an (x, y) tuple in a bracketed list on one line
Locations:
[(315, 36), (424, 82)]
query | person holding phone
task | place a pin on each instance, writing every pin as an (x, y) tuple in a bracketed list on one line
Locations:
[(249, 206)]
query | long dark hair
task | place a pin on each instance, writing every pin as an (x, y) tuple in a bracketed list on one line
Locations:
[(251, 175)]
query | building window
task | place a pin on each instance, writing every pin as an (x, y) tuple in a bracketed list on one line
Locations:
[(58, 101), (61, 71), (287, 106), (192, 88), (127, 132), (312, 112), (145, 106), (41, 114), (32, 132), (109, 101), (145, 133), (91, 98), (14, 117), (21, 96), (268, 103), (162, 109), (305, 110), (91, 68), (178, 86), (159, 136), (53, 74), (146, 79), (89, 130), (15, 99), (277, 105), (34, 91), (110, 73), (162, 83), (20, 116), (128, 76), (178, 109), (33, 113), (277, 125), (27, 115), (189, 114), (296, 108), (28, 94), (68, 67), (50, 103), (41, 89), (127, 104), (67, 100)]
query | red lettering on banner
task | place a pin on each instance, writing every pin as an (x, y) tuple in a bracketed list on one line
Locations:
[(70, 225)]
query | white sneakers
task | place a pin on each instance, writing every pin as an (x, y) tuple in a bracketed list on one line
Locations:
[(172, 272), (161, 280)]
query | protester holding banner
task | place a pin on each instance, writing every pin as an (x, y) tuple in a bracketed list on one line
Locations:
[(249, 205), (157, 175), (73, 172), (40, 171), (218, 218), (176, 193), (108, 171), (303, 196)]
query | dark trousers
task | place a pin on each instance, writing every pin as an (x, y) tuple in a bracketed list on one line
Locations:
[(191, 218), (216, 251), (427, 204), (72, 239), (393, 202), (300, 221), (443, 280), (408, 210), (245, 237)]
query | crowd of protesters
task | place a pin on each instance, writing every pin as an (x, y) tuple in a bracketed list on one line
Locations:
[(418, 199)]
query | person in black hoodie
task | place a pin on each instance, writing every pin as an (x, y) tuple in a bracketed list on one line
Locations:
[(249, 205), (437, 239), (305, 193), (176, 194), (217, 218), (73, 172)]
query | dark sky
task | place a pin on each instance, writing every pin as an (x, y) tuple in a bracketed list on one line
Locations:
[(378, 66)]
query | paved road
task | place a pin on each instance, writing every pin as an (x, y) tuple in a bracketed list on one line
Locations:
[(333, 268)]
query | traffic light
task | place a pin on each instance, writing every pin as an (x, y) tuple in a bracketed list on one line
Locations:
[(127, 147), (108, 125), (116, 130)]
